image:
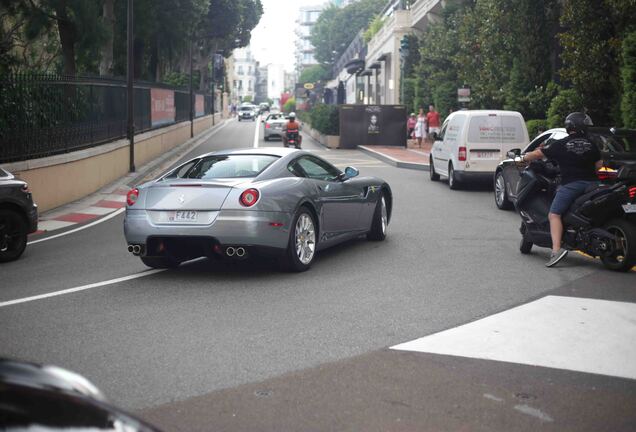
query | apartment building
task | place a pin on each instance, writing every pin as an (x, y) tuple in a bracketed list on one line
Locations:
[(307, 17), (243, 80)]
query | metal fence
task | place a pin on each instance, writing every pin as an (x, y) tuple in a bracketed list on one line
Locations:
[(44, 115)]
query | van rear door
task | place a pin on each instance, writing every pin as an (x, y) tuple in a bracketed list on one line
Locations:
[(490, 137)]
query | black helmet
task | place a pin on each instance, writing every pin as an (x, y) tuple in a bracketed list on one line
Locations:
[(577, 122)]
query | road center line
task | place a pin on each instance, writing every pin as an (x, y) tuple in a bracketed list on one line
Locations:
[(80, 288), (83, 227), (256, 132)]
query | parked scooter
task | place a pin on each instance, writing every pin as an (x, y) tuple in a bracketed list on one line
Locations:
[(600, 223)]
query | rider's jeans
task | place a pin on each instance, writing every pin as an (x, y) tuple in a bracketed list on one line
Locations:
[(568, 193)]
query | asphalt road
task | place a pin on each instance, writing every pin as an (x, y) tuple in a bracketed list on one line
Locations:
[(165, 338)]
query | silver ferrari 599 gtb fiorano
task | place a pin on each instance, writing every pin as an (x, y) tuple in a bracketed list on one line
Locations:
[(265, 201)]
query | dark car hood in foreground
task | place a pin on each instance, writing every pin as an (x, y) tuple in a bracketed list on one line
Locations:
[(48, 398)]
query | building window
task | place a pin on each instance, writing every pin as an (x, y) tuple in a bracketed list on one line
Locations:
[(249, 85), (235, 84)]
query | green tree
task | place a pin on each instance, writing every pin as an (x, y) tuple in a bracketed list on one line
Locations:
[(628, 75), (313, 74), (591, 53), (77, 23), (336, 28)]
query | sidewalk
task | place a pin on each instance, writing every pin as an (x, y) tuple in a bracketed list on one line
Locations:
[(400, 157)]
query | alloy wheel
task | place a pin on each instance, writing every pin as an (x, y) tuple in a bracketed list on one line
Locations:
[(305, 239), (500, 190), (384, 215)]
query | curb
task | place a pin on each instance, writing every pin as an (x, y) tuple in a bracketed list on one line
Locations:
[(392, 161)]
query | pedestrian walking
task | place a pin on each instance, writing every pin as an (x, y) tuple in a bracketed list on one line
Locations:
[(432, 118), (420, 127), (410, 126)]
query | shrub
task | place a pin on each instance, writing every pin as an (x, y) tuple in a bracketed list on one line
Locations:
[(565, 102), (326, 119), (535, 126)]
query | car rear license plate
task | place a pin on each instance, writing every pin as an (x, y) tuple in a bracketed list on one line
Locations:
[(486, 154), (629, 208), (185, 216), (279, 127)]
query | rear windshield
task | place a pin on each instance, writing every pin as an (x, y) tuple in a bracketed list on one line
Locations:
[(496, 129), (245, 109), (231, 166)]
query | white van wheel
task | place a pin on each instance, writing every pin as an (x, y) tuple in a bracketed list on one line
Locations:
[(453, 183)]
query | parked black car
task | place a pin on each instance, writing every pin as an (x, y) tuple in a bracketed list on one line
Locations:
[(616, 145), (48, 398), (18, 216)]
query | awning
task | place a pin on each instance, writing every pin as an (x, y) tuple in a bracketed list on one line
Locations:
[(354, 66), (384, 56), (366, 73), (375, 65)]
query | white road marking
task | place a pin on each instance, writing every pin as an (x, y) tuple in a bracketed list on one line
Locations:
[(50, 225), (83, 227), (80, 288), (578, 334), (256, 131)]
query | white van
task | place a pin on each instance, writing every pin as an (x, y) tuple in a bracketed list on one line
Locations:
[(472, 143)]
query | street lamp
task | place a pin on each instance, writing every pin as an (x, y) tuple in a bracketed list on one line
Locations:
[(129, 88)]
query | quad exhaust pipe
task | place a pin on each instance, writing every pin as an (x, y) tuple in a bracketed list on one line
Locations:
[(237, 252), (134, 249)]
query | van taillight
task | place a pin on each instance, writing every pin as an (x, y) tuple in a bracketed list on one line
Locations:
[(462, 154)]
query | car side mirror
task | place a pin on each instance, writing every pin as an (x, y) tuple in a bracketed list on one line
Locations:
[(513, 153), (350, 172), (435, 136)]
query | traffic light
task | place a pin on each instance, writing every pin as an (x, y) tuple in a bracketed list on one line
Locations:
[(404, 44)]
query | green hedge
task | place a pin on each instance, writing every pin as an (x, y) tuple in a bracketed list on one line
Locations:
[(326, 119), (566, 102), (628, 75), (534, 126)]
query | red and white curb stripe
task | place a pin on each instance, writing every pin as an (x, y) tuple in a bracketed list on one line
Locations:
[(108, 204)]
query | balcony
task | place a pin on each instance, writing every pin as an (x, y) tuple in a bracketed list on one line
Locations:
[(424, 12), (396, 25)]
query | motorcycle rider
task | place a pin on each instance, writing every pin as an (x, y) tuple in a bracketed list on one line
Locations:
[(578, 160), (292, 126)]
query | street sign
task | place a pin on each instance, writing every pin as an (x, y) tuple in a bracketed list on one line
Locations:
[(463, 94), (309, 86)]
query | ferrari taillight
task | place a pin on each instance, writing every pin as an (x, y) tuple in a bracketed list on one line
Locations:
[(131, 197), (249, 197)]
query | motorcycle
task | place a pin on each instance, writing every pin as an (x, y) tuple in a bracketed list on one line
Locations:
[(600, 223), (293, 138)]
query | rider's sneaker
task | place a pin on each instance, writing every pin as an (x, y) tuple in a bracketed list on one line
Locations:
[(556, 257)]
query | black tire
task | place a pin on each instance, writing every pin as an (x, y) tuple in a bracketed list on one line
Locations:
[(380, 221), (453, 182), (525, 245), (291, 261), (160, 262), (239, 119), (431, 170), (625, 260), (501, 192), (13, 235)]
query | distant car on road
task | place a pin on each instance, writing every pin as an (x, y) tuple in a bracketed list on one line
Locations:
[(615, 145), (273, 126), (51, 399), (472, 143), (263, 107), (246, 112), (18, 216), (233, 204)]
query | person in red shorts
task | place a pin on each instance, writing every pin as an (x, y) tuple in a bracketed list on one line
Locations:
[(432, 118)]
